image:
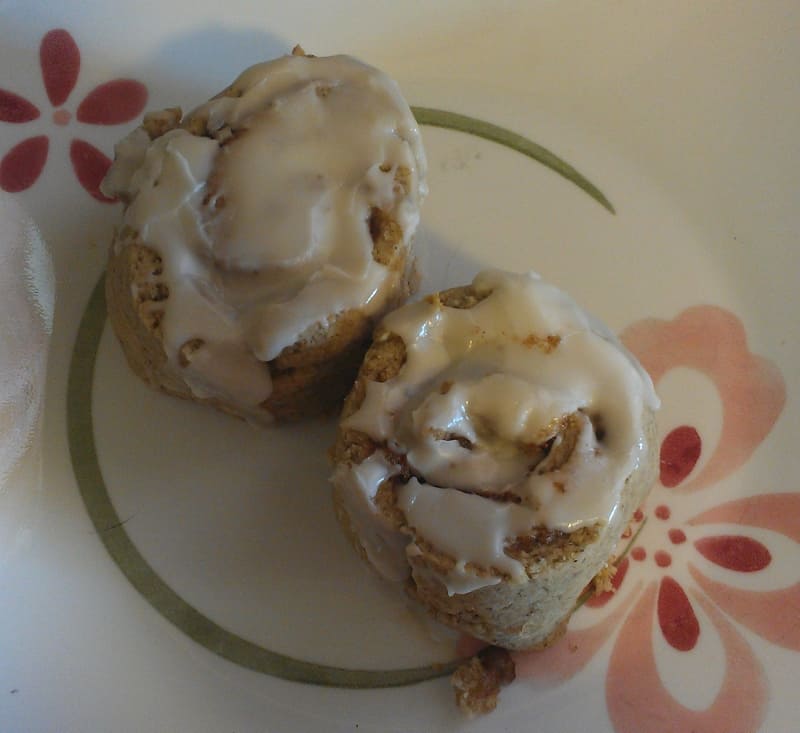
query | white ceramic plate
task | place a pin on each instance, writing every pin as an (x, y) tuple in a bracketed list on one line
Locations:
[(177, 570)]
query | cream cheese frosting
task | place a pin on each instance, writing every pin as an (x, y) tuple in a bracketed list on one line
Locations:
[(262, 222), (487, 398)]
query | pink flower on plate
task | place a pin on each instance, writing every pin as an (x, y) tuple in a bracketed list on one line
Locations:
[(689, 573), (111, 103)]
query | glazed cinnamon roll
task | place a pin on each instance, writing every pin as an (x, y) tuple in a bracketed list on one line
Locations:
[(491, 453), (263, 233)]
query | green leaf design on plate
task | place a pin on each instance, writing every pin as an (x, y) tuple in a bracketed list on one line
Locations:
[(502, 136)]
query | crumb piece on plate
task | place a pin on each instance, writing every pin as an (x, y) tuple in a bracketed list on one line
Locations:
[(603, 580), (477, 681)]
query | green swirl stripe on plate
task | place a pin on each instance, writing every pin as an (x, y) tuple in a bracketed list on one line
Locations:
[(502, 136)]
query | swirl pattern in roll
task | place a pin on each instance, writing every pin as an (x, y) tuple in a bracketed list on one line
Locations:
[(264, 233), (493, 449)]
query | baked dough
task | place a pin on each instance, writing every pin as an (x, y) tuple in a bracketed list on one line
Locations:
[(263, 235), (491, 453)]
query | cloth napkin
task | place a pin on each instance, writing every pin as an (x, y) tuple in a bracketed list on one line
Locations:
[(26, 322)]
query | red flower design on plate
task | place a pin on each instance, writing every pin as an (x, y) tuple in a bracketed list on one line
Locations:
[(111, 103), (678, 663)]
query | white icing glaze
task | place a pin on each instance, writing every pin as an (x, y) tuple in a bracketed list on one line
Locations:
[(465, 526), (482, 396), (462, 580), (382, 543), (263, 227)]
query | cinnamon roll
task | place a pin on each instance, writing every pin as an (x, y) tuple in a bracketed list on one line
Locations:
[(263, 233), (491, 453)]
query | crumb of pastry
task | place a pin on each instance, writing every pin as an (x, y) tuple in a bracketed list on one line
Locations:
[(603, 580), (160, 122), (477, 681)]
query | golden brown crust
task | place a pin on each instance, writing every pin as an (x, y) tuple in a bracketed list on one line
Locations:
[(136, 315)]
